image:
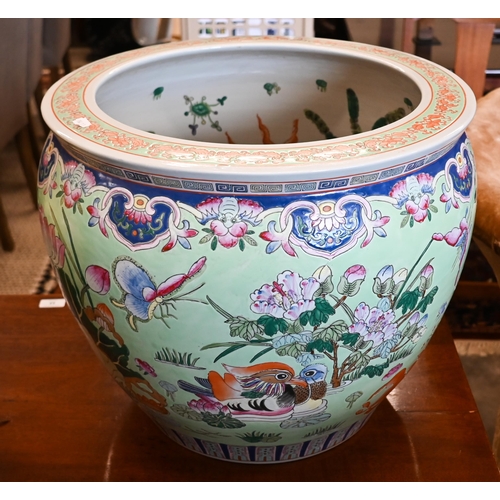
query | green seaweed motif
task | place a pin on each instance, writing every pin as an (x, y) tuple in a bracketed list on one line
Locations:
[(260, 437), (353, 110), (173, 357)]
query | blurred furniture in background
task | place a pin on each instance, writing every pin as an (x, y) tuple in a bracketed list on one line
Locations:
[(484, 134), (203, 28), (26, 47), (148, 31), (473, 44), (20, 70), (56, 42)]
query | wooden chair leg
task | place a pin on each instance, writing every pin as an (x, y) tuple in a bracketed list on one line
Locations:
[(35, 128), (386, 34), (66, 62), (38, 96), (474, 41), (409, 28), (39, 92), (5, 234), (25, 152)]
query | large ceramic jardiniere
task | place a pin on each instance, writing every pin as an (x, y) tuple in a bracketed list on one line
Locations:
[(258, 236)]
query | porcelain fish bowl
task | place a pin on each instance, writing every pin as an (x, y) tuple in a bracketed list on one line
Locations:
[(258, 236)]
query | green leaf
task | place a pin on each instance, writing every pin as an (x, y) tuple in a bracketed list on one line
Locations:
[(375, 370), (241, 244), (408, 300), (261, 353), (412, 222), (206, 238), (433, 208), (384, 288), (363, 360), (273, 325), (221, 420), (59, 194), (353, 358), (296, 327), (315, 318), (229, 351), (325, 287), (186, 412), (319, 345), (427, 300), (332, 333), (206, 230), (405, 220), (324, 306), (350, 338), (304, 318), (320, 314), (410, 330), (348, 289), (249, 240), (293, 350), (244, 328), (213, 245), (425, 284), (364, 344), (292, 338)]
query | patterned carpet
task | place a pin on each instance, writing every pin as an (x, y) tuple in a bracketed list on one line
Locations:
[(22, 269), (47, 283)]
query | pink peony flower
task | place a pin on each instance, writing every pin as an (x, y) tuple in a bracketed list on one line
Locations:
[(427, 272), (287, 297), (207, 406), (98, 279), (355, 273), (374, 324), (229, 218), (77, 181), (414, 194)]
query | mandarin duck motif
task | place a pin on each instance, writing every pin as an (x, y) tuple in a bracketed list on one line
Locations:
[(314, 375), (262, 390)]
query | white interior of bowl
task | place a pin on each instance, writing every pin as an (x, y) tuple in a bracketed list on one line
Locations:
[(254, 95), (134, 109)]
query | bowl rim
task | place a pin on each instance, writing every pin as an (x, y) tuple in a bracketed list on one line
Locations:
[(446, 107)]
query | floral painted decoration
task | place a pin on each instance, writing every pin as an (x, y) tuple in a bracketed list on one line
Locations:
[(77, 182)]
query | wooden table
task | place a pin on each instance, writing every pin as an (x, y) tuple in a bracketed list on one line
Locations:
[(63, 418)]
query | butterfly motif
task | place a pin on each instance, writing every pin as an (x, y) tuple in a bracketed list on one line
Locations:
[(142, 299)]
